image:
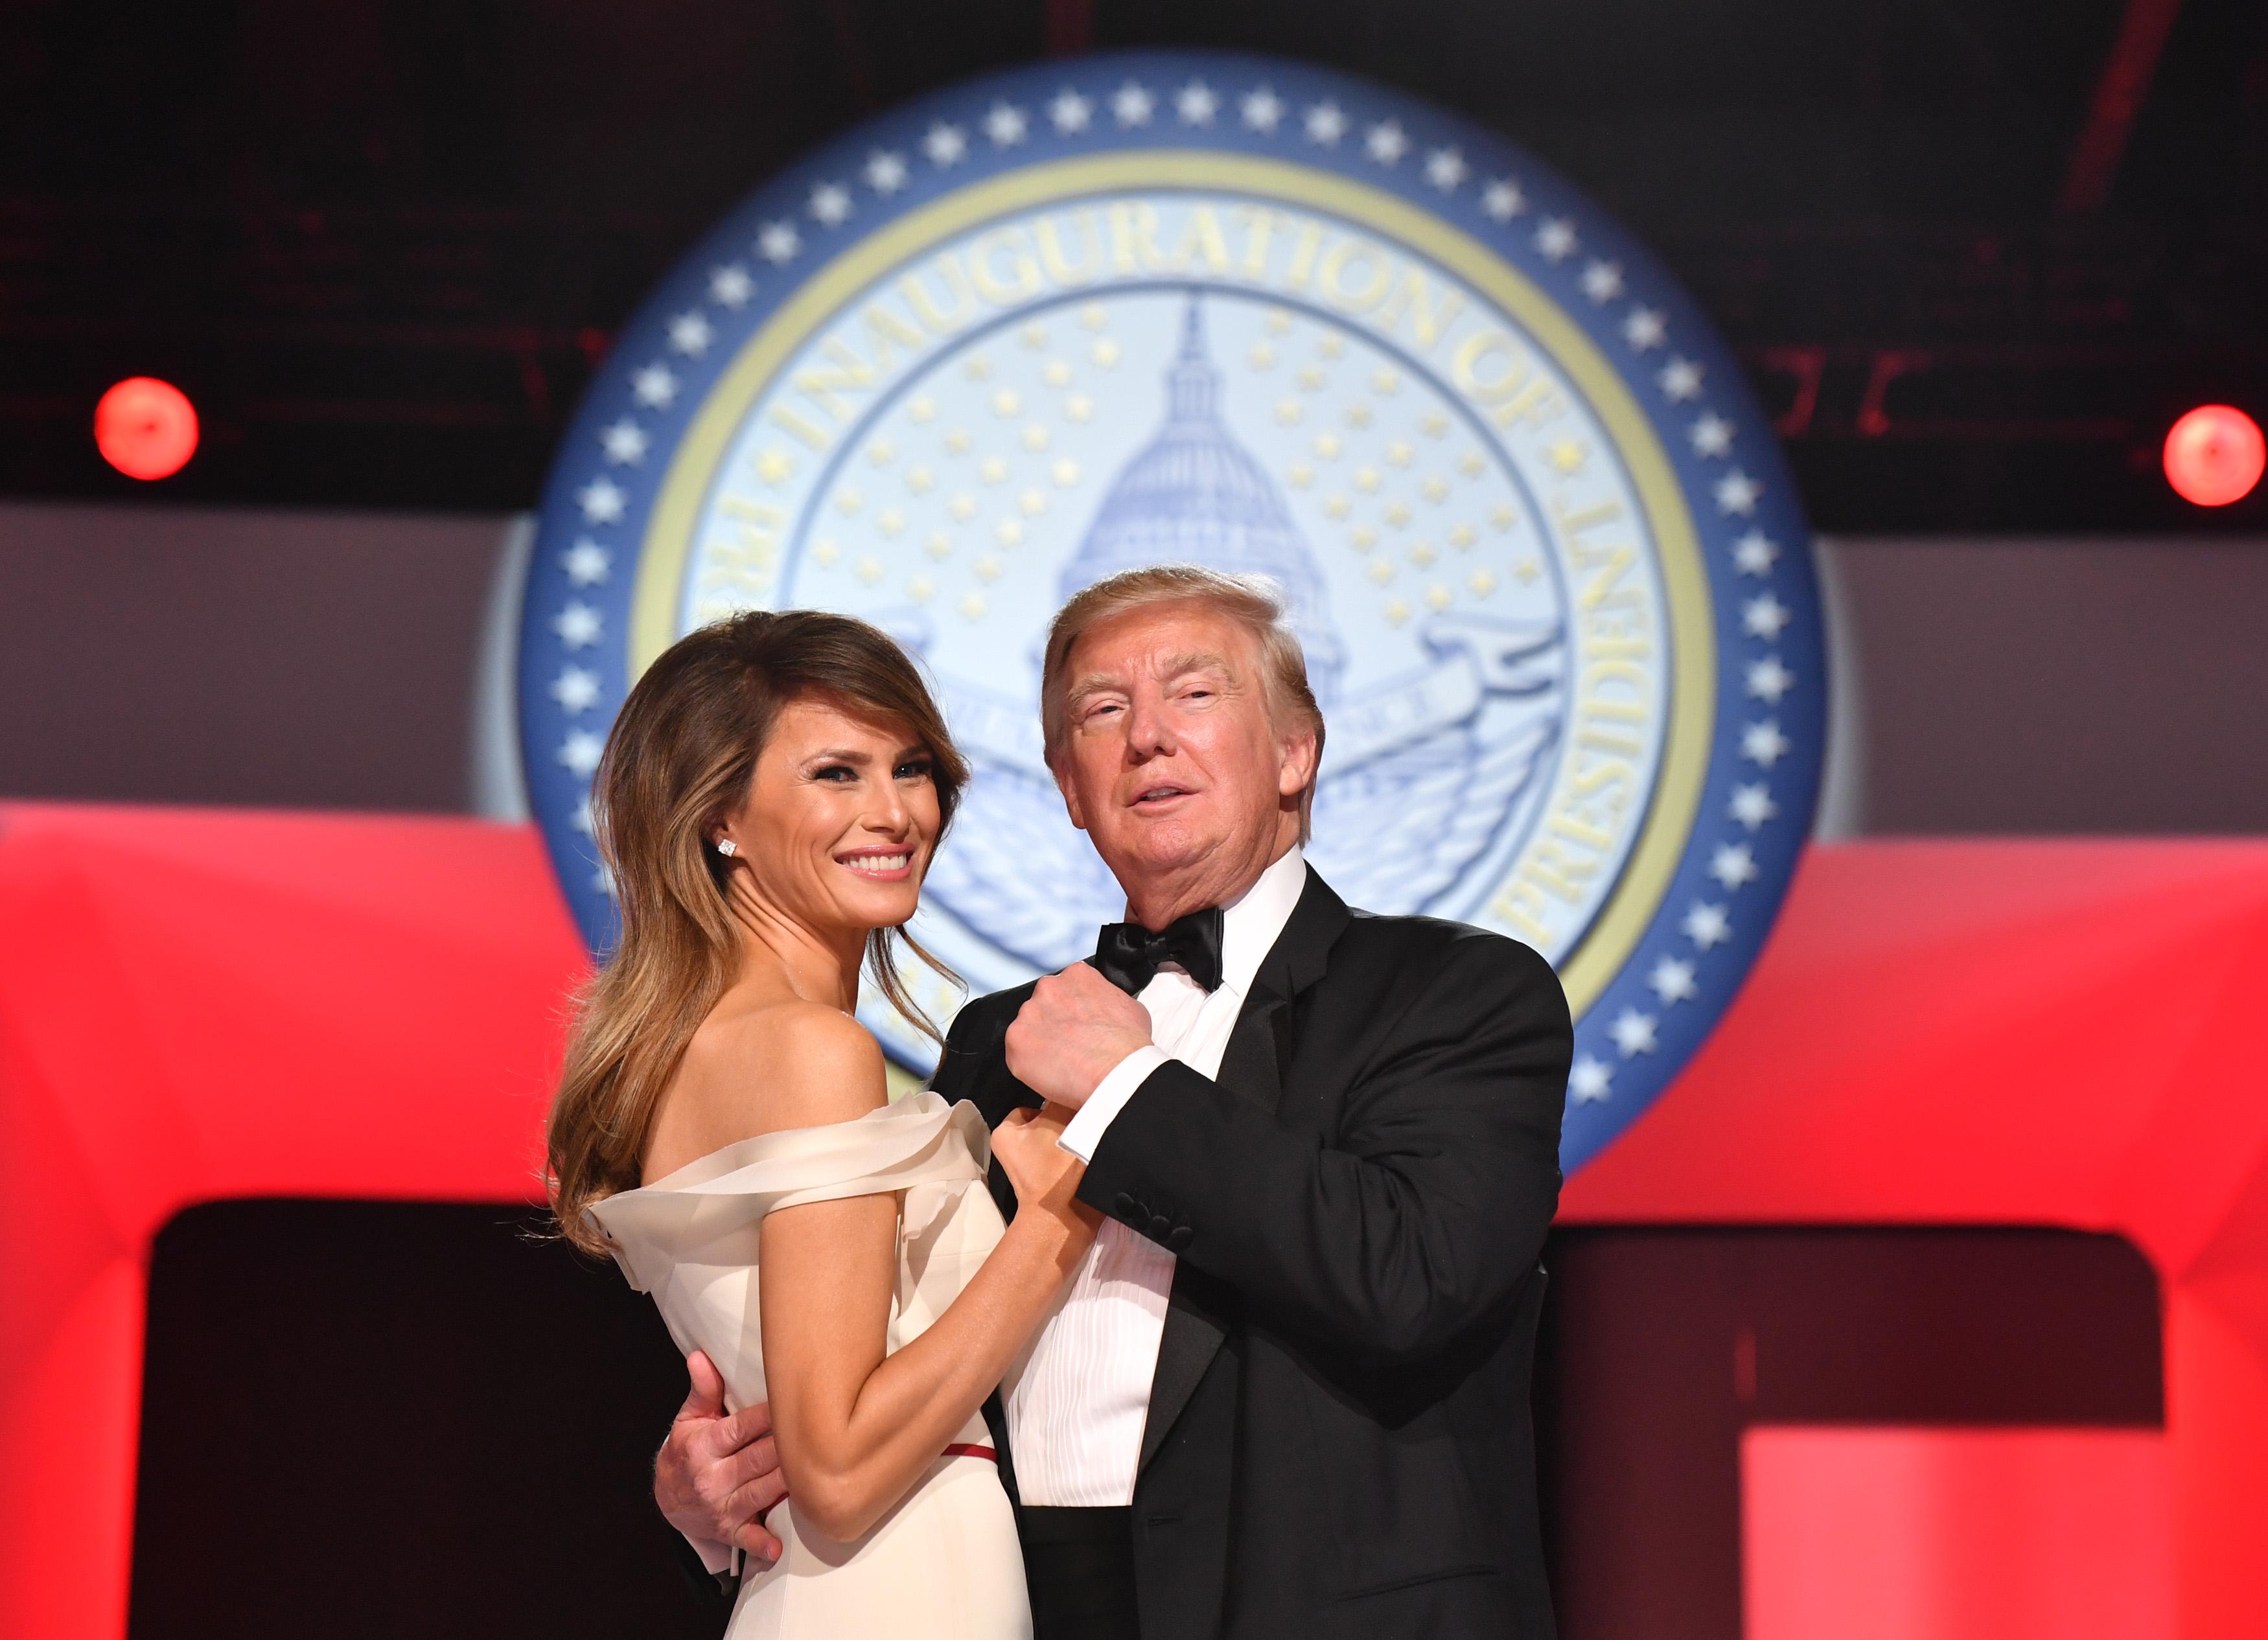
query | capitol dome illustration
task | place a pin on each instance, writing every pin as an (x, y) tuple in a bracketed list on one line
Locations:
[(1196, 496)]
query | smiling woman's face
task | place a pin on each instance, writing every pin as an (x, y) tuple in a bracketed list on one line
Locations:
[(840, 820)]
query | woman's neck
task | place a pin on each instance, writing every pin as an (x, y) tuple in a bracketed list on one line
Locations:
[(816, 965)]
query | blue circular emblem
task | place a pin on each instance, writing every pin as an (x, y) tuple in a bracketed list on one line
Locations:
[(1554, 586)]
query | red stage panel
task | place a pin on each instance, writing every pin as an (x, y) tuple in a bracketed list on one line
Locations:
[(2068, 1033), (1954, 1534), (196, 1004)]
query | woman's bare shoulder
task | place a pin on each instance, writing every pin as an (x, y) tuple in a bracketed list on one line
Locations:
[(758, 1069)]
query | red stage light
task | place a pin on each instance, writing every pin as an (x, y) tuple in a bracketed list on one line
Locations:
[(2215, 455), (146, 428)]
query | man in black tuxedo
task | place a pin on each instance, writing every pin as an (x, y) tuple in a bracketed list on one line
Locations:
[(1289, 1396)]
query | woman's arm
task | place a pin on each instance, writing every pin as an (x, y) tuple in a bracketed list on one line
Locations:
[(857, 1426)]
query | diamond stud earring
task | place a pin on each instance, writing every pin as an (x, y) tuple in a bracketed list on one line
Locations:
[(724, 846)]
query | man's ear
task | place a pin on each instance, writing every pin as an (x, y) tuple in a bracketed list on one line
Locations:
[(1069, 798), (1295, 769)]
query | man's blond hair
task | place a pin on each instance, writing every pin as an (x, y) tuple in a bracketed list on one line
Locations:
[(1251, 602)]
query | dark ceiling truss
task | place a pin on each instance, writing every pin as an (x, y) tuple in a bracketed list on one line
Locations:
[(1976, 260)]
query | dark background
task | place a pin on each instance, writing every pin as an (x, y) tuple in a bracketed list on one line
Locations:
[(366, 1419), (1977, 254)]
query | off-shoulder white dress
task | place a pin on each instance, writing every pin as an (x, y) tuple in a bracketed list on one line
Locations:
[(944, 1562)]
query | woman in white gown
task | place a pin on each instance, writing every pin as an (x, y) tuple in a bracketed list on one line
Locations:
[(770, 798)]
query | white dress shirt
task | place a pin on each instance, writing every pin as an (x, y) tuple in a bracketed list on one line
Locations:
[(1077, 1404)]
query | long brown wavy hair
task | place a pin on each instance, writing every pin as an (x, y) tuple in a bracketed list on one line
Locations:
[(679, 758)]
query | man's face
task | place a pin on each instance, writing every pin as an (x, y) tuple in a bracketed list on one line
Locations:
[(1170, 762)]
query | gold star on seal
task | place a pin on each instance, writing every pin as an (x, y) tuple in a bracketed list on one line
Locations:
[(1566, 456)]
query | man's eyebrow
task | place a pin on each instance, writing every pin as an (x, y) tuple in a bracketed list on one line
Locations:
[(1195, 660), (1093, 683), (1174, 666)]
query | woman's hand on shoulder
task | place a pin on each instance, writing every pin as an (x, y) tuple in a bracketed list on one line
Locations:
[(1046, 1176)]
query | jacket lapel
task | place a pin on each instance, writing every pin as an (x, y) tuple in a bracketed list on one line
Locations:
[(999, 1094), (1252, 1067), (1252, 1064), (979, 1071)]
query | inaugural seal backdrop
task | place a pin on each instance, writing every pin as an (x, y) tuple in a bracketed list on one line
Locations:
[(1555, 590)]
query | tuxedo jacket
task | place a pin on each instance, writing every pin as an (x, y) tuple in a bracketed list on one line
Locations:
[(1338, 1440)]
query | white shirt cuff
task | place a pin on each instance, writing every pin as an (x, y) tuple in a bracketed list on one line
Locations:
[(1082, 1134), (717, 1558)]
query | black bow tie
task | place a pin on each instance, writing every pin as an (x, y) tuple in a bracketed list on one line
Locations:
[(1130, 955)]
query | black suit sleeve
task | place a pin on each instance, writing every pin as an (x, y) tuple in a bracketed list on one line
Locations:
[(1428, 1213), (956, 1061)]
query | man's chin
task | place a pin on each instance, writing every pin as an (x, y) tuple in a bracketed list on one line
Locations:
[(1156, 851)]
